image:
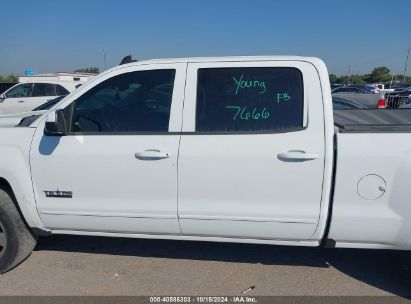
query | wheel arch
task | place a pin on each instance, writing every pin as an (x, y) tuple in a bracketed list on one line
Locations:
[(23, 204), (15, 172)]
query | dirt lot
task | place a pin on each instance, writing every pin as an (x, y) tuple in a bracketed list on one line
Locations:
[(71, 265)]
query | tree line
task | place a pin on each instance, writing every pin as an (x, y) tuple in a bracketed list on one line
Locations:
[(379, 74), (93, 70), (9, 78)]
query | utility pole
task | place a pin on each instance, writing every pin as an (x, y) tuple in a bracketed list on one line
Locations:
[(406, 64), (349, 72)]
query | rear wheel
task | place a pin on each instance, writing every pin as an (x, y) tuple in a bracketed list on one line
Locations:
[(16, 240)]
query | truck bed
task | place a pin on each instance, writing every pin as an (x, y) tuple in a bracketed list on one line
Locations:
[(371, 206), (369, 121)]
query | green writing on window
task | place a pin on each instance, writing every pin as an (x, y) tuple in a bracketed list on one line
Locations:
[(283, 97), (246, 84), (243, 113)]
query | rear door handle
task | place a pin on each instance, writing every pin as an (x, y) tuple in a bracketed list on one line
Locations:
[(297, 156), (151, 155), (20, 101)]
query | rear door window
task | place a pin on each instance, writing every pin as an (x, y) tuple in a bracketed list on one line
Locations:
[(249, 99), (44, 89)]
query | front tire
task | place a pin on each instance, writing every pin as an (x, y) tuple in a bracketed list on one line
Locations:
[(16, 240)]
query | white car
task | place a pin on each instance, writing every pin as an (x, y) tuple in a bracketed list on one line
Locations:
[(228, 149), (33, 91)]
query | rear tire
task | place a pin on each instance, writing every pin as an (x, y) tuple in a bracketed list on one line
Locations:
[(16, 240)]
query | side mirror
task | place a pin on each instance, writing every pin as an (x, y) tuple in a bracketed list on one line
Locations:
[(56, 124), (2, 97)]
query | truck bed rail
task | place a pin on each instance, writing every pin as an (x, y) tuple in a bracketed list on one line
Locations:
[(378, 120)]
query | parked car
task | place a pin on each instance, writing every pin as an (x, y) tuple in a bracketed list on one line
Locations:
[(350, 89), (380, 87), (399, 98), (336, 85), (366, 88), (344, 104), (400, 86), (33, 91), (254, 161)]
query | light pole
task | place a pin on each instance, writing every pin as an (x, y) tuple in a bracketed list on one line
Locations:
[(406, 64), (104, 60)]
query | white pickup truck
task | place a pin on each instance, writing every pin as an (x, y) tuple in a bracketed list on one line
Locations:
[(236, 149)]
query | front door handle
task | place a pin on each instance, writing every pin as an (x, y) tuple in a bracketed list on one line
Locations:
[(20, 101), (297, 156), (151, 155)]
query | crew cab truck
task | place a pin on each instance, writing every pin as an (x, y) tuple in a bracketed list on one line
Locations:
[(234, 149)]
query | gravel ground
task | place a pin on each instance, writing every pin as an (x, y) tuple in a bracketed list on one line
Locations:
[(73, 265)]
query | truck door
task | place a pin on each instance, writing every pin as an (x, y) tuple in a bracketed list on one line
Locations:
[(251, 157), (116, 171)]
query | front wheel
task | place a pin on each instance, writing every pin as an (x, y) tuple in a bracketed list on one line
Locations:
[(16, 240)]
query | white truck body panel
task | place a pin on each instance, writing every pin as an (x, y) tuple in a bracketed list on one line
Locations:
[(372, 190)]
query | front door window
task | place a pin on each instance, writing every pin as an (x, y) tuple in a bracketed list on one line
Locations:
[(19, 91)]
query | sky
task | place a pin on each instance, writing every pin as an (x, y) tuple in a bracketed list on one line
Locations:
[(64, 35)]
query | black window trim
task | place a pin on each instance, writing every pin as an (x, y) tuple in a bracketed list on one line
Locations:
[(187, 133)]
